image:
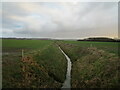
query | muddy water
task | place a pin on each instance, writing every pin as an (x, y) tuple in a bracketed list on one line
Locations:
[(67, 82)]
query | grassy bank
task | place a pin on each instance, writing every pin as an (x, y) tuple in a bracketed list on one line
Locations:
[(93, 66), (42, 66)]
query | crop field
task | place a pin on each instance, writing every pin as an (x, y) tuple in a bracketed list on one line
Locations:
[(40, 64), (111, 47)]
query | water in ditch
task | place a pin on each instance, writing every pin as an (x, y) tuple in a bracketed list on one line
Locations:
[(67, 82)]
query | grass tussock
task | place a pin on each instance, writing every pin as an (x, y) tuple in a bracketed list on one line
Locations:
[(35, 75), (97, 69)]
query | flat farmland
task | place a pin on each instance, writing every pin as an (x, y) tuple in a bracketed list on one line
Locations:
[(40, 63), (15, 45), (111, 47)]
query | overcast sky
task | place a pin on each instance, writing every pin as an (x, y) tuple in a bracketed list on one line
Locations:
[(60, 20)]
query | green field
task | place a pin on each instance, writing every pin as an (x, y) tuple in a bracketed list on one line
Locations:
[(17, 45), (94, 64), (111, 47)]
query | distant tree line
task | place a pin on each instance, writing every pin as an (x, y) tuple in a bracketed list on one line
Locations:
[(100, 39)]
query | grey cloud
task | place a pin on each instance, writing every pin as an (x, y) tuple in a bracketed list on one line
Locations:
[(63, 20)]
